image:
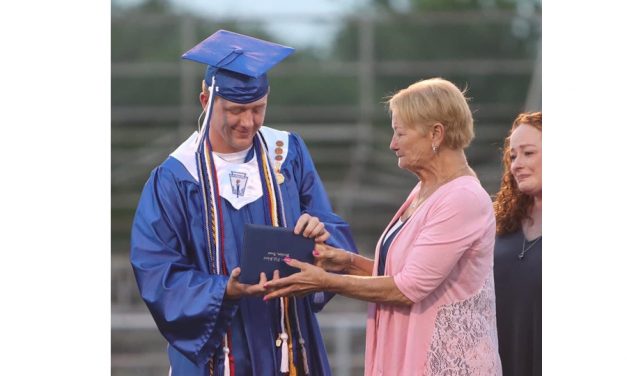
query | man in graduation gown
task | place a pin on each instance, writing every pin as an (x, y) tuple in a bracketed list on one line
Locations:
[(186, 239)]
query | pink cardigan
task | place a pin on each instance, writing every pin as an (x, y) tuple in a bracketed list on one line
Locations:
[(442, 260)]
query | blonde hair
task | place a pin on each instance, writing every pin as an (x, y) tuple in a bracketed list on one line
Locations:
[(436, 100)]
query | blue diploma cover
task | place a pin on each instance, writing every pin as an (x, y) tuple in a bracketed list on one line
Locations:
[(265, 247)]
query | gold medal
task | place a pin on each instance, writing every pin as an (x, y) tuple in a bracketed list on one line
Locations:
[(280, 178)]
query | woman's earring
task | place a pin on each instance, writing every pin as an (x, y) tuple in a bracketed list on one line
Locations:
[(435, 149)]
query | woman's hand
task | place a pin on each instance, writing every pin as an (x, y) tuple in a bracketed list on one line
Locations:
[(311, 227), (310, 279), (332, 259)]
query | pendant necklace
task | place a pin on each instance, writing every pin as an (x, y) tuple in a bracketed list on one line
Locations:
[(524, 250)]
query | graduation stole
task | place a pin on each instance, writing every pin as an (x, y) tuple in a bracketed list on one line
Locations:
[(214, 230)]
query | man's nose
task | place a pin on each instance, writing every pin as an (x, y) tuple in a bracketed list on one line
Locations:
[(247, 118)]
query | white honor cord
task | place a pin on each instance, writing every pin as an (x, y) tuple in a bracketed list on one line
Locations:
[(283, 336)]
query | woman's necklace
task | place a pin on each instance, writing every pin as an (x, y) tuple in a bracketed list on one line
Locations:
[(524, 250)]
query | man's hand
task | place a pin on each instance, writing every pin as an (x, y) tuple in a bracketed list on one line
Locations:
[(311, 227), (235, 289)]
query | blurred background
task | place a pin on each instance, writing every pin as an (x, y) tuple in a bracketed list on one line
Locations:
[(350, 55)]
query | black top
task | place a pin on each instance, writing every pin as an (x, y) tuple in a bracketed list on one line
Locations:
[(383, 253), (518, 288)]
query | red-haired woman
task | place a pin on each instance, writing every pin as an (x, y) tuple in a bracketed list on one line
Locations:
[(518, 249)]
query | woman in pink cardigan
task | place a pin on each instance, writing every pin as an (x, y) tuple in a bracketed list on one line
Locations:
[(430, 284)]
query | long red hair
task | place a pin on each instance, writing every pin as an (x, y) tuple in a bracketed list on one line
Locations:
[(511, 206)]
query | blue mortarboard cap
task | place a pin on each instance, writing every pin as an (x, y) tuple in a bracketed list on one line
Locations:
[(239, 64)]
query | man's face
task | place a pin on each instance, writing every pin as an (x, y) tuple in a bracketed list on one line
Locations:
[(234, 125)]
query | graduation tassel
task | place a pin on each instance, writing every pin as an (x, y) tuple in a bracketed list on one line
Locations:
[(284, 354), (301, 341), (283, 337), (227, 365), (303, 353)]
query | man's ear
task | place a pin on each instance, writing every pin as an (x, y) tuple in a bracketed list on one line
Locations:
[(204, 98)]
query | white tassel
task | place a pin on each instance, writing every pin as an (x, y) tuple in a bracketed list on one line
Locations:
[(285, 358), (303, 352), (227, 365)]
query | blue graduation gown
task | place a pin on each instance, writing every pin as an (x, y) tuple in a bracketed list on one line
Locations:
[(171, 264)]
